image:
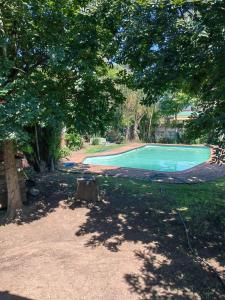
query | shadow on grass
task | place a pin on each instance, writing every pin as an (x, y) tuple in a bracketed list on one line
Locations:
[(168, 271)]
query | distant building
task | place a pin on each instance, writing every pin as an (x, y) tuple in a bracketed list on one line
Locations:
[(168, 131), (184, 115)]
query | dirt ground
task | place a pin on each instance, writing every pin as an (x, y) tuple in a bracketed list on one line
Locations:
[(115, 249)]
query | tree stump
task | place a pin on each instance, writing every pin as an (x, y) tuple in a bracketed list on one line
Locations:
[(87, 189)]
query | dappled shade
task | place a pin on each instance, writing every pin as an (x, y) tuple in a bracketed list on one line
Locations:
[(168, 270), (141, 216)]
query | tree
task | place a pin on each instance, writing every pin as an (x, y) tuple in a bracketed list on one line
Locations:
[(52, 72), (173, 103), (133, 112), (149, 123), (174, 46)]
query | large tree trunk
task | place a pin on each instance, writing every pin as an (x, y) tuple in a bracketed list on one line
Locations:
[(12, 180)]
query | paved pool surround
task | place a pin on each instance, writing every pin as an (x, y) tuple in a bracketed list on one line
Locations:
[(155, 158), (200, 173)]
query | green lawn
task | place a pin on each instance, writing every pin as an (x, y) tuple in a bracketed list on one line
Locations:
[(202, 204), (102, 148)]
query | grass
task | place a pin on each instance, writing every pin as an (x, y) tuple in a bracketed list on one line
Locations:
[(102, 148), (202, 204)]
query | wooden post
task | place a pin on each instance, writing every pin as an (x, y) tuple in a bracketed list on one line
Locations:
[(87, 189)]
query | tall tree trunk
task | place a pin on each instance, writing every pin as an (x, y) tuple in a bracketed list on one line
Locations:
[(12, 181), (37, 143), (127, 138), (136, 131), (63, 138), (150, 123)]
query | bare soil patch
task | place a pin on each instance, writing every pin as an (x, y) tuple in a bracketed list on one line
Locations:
[(127, 246)]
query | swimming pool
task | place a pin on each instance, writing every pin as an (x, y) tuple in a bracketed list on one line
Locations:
[(154, 157)]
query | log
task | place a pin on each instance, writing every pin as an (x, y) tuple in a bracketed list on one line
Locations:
[(87, 189)]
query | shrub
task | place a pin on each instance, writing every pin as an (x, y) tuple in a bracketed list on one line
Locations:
[(63, 152), (164, 140), (74, 141), (95, 141), (114, 137)]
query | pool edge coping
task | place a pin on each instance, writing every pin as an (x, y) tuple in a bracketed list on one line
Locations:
[(204, 172), (157, 171)]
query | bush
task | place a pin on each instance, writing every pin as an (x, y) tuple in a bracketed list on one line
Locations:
[(164, 140), (114, 137), (190, 138), (95, 141), (63, 152), (74, 141)]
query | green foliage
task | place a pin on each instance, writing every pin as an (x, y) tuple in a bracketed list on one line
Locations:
[(26, 149), (102, 148), (74, 141), (52, 68), (149, 123), (190, 137), (173, 46), (173, 103), (52, 141), (202, 204), (63, 152), (42, 146), (53, 62), (114, 136), (95, 141), (164, 140)]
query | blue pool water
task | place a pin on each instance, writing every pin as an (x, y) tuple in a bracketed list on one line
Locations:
[(158, 158)]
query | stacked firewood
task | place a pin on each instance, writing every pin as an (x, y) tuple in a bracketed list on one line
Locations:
[(218, 155), (3, 188)]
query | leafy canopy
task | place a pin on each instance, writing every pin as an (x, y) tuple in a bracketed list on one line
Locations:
[(173, 46), (52, 68)]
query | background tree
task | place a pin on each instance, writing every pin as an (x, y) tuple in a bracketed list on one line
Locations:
[(133, 112), (133, 120), (173, 103), (174, 46), (149, 123)]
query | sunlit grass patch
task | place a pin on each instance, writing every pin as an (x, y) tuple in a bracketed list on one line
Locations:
[(102, 148)]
